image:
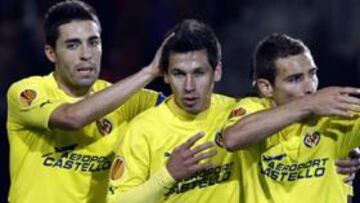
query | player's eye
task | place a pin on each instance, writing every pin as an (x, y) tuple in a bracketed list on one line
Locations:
[(295, 78), (177, 73), (72, 45), (199, 72), (94, 42)]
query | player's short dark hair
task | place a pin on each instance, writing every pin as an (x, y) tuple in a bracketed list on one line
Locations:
[(64, 12), (269, 50), (192, 35)]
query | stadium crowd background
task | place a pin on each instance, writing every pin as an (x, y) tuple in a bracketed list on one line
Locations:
[(133, 29)]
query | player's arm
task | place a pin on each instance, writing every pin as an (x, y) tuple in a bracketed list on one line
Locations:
[(139, 102), (130, 171), (149, 191), (183, 163), (254, 127), (76, 115)]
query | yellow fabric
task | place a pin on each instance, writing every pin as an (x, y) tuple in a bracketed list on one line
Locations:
[(296, 165), (148, 143), (61, 166), (151, 191)]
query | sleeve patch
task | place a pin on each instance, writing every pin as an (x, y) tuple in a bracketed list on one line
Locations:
[(118, 168), (28, 96), (237, 112)]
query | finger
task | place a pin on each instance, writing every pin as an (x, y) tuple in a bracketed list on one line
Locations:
[(203, 156), (353, 101), (190, 153), (341, 112), (201, 148), (349, 179), (192, 140), (346, 170), (158, 52), (350, 90), (167, 39), (343, 171), (200, 167), (347, 166), (350, 108), (354, 162)]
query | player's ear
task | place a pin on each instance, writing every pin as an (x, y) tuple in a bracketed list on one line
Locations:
[(50, 53), (218, 72), (265, 88)]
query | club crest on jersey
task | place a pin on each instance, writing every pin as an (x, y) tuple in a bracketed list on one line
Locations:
[(219, 139), (312, 139), (237, 112), (28, 96), (104, 126), (118, 168)]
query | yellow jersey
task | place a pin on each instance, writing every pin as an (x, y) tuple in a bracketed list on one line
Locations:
[(61, 166), (153, 135), (296, 164)]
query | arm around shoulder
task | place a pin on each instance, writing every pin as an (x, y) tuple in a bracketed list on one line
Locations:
[(254, 126)]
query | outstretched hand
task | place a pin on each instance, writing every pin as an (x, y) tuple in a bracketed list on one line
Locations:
[(184, 161), (339, 101)]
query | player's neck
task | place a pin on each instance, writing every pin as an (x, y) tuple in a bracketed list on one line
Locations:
[(70, 90), (184, 115)]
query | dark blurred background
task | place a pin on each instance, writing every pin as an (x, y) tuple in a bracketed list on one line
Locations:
[(133, 29)]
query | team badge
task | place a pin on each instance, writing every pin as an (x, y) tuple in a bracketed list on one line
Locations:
[(104, 126), (118, 168), (312, 139), (237, 112), (219, 140), (28, 96)]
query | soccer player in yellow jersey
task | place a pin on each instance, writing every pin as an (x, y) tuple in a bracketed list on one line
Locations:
[(153, 165), (63, 127), (292, 134)]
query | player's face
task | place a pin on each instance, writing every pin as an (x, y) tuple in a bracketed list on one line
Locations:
[(191, 79), (296, 77), (77, 54)]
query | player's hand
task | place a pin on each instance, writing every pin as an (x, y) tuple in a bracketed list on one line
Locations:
[(337, 101), (154, 66), (184, 161), (349, 166)]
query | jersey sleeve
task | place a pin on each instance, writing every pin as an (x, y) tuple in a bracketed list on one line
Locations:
[(243, 108), (130, 180), (142, 100), (30, 104)]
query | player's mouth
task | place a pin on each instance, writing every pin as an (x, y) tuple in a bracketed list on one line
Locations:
[(85, 70), (190, 101)]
